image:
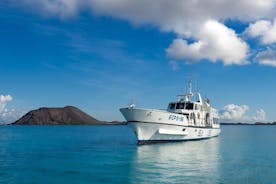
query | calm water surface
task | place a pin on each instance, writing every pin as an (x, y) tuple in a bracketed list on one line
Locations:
[(108, 154)]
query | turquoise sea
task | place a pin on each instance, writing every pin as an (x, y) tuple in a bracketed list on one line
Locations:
[(108, 154)]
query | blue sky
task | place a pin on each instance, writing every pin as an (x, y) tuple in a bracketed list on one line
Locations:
[(101, 57)]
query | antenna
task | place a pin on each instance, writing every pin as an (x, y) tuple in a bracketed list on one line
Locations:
[(197, 85), (190, 86), (193, 78)]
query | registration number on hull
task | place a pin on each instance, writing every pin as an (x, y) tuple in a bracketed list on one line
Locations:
[(176, 118)]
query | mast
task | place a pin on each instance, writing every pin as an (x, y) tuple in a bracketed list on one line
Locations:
[(189, 94)]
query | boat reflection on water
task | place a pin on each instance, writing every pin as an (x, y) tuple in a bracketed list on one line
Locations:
[(182, 162)]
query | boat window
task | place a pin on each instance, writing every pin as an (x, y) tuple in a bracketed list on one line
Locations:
[(207, 119), (189, 106), (215, 120), (172, 106), (180, 106)]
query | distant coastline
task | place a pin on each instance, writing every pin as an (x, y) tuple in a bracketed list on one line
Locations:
[(70, 115), (250, 124)]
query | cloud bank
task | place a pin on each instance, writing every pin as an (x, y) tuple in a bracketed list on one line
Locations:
[(4, 99), (233, 112), (264, 30), (7, 115), (203, 22), (239, 113)]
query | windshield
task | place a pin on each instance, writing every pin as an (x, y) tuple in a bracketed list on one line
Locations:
[(171, 106), (181, 105)]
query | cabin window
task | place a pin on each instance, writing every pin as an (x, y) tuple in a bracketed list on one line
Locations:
[(172, 106), (207, 119), (215, 120), (189, 106), (180, 106)]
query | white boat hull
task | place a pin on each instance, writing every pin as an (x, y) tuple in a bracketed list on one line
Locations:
[(153, 132), (151, 125)]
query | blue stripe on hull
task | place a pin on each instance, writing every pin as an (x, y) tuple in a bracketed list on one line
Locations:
[(145, 142), (171, 124)]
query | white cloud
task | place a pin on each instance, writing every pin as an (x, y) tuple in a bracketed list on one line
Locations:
[(216, 43), (187, 19), (258, 28), (235, 113), (4, 99), (263, 29), (267, 57), (174, 16), (61, 8), (260, 115), (8, 115)]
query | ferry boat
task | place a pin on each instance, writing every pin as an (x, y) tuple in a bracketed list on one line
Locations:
[(188, 118)]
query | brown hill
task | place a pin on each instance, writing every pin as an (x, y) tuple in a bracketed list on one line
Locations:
[(68, 115)]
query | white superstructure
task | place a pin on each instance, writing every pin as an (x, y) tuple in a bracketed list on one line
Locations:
[(188, 118)]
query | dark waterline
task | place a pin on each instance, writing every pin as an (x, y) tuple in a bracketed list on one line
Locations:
[(109, 154)]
